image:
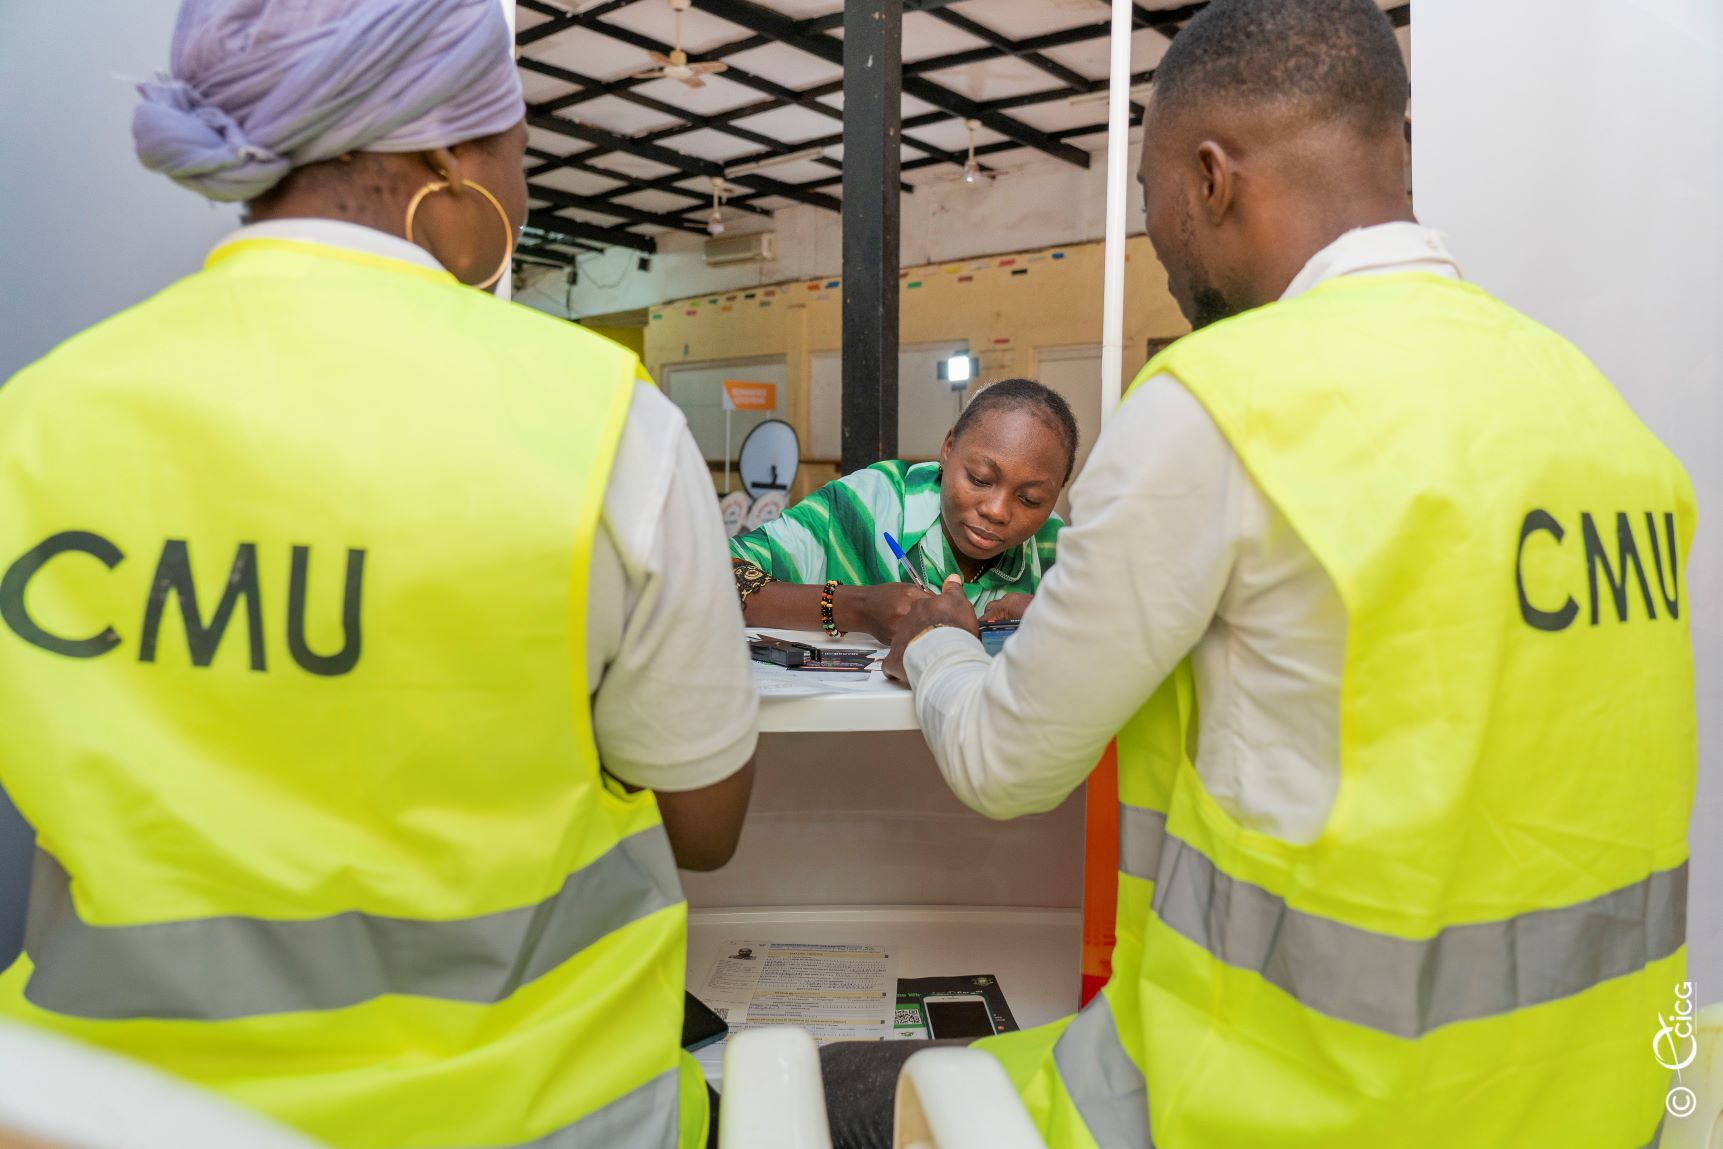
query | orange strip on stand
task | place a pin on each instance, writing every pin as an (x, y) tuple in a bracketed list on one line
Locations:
[(1100, 871), (741, 395)]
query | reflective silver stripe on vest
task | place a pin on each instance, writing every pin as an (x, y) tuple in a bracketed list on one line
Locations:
[(1141, 836), (645, 1118), (1105, 1086), (209, 969), (1403, 986), (1102, 1081)]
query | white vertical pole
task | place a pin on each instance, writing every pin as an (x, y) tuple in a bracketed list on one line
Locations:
[(505, 288), (1118, 187)]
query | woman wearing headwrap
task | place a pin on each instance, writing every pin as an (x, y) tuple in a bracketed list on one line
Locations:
[(337, 601)]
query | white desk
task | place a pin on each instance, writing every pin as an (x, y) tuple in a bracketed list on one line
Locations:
[(852, 836), (830, 702)]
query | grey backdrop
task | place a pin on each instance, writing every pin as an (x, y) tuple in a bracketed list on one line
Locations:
[(84, 230)]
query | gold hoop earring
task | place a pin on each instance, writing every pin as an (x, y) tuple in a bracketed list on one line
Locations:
[(508, 231)]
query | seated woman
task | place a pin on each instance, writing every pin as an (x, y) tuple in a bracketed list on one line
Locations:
[(983, 511)]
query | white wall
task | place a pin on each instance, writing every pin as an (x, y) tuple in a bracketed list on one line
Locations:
[(1573, 150), (1038, 205), (84, 229)]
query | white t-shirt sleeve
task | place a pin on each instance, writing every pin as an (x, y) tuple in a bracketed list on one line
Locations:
[(1139, 574), (675, 706)]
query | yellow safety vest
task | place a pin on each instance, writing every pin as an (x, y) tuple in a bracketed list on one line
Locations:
[(1476, 950), (295, 696)]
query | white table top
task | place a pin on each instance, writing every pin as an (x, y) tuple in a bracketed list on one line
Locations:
[(811, 702)]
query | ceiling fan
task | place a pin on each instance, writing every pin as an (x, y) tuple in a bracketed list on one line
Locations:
[(675, 66)]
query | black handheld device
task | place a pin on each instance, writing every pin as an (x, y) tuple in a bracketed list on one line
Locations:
[(700, 1026)]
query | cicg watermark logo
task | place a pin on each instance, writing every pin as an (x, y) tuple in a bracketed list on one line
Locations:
[(1675, 1048)]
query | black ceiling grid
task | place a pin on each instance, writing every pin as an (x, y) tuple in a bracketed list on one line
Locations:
[(604, 220)]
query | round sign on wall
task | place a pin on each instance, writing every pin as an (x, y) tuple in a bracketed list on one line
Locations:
[(770, 455)]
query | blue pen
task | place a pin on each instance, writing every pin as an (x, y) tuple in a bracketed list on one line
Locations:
[(904, 559)]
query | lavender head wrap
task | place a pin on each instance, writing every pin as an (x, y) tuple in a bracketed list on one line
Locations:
[(260, 87)]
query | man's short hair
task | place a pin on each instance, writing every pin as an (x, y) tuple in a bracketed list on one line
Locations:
[(1328, 59)]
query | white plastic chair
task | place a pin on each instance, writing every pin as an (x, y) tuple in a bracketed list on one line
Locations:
[(1702, 1128), (59, 1093), (773, 1097), (957, 1098)]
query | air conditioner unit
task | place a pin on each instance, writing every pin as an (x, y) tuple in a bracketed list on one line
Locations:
[(758, 247)]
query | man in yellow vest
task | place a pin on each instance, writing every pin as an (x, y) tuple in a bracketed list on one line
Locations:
[(369, 659), (1379, 585)]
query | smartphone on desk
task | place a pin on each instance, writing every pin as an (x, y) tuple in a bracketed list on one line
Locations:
[(961, 1015), (700, 1025), (994, 634)]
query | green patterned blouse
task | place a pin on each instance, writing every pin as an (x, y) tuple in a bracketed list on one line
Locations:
[(838, 532)]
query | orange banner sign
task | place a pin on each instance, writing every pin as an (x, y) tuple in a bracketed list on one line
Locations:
[(740, 395)]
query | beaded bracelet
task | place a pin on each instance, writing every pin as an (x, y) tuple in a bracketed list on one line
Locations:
[(827, 621)]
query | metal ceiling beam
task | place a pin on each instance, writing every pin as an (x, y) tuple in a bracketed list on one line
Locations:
[(560, 199), (836, 19), (718, 120), (980, 151), (1160, 18), (599, 88), (562, 21), (1165, 21), (555, 260), (688, 121), (767, 22), (692, 165), (551, 162), (1399, 15), (574, 229), (748, 79), (925, 119), (568, 76), (1007, 103), (746, 202), (564, 248), (1005, 44), (1001, 48)]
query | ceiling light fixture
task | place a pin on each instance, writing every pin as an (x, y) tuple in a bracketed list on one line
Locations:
[(1099, 95), (773, 161), (715, 221), (971, 169)]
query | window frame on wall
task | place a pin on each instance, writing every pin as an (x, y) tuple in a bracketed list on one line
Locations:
[(706, 419), (919, 432)]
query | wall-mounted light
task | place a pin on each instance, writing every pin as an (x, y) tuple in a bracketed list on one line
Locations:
[(959, 370), (971, 169)]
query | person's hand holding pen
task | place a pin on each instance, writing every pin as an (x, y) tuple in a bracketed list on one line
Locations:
[(947, 608), (875, 610)]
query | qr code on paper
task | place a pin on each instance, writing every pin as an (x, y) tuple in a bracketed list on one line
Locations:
[(723, 1011), (907, 1017)]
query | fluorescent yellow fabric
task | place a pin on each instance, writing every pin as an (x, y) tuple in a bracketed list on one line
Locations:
[(1476, 949), (371, 729)]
